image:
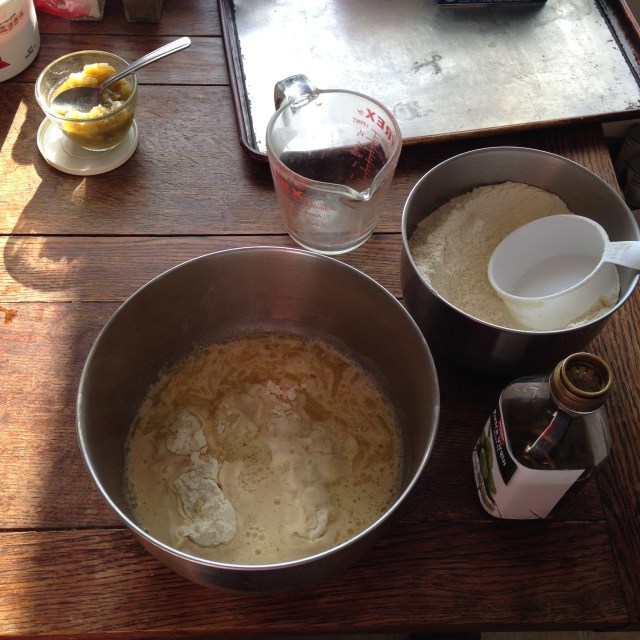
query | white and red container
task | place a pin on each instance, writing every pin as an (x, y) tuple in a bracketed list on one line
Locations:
[(19, 36)]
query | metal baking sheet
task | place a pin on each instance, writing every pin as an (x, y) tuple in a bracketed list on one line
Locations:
[(444, 71)]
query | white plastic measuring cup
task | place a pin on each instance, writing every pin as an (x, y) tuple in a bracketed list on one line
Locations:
[(558, 270), (332, 155)]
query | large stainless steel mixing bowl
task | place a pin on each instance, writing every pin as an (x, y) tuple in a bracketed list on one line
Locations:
[(472, 342), (224, 294)]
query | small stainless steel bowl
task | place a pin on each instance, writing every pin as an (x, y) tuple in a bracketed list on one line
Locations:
[(472, 342), (233, 292)]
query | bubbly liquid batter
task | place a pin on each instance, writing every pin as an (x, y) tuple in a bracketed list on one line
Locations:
[(262, 449)]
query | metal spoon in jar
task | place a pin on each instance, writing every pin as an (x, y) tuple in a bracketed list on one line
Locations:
[(83, 99)]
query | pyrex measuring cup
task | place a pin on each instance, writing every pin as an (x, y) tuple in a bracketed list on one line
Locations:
[(332, 155)]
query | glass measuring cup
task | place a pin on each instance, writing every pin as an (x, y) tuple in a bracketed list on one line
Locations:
[(332, 155)]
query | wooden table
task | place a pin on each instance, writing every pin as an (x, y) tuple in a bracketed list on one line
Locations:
[(74, 248)]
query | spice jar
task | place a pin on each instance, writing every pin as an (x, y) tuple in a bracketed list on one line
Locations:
[(547, 433)]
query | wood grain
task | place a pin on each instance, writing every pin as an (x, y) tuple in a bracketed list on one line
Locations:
[(72, 249), (81, 268), (202, 63), (116, 586), (175, 172), (619, 479)]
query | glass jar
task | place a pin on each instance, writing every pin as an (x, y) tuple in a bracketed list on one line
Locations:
[(547, 433)]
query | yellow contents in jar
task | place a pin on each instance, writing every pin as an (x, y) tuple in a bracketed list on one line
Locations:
[(106, 124)]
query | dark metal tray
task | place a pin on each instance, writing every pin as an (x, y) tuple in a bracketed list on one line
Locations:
[(445, 71)]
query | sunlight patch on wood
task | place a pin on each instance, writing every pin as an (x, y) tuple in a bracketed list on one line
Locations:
[(20, 171)]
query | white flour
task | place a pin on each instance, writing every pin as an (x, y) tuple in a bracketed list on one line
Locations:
[(452, 247)]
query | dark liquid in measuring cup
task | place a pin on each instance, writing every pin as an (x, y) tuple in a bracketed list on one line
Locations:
[(354, 167)]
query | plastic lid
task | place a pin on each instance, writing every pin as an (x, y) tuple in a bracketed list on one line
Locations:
[(64, 154), (581, 383)]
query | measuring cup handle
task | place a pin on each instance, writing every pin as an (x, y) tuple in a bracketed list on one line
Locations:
[(294, 89), (625, 253)]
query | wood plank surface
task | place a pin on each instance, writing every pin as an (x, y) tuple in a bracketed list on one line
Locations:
[(81, 268), (174, 172), (72, 249), (619, 480), (115, 586)]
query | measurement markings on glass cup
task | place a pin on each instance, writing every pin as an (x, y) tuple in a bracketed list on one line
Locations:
[(377, 120), (373, 155)]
